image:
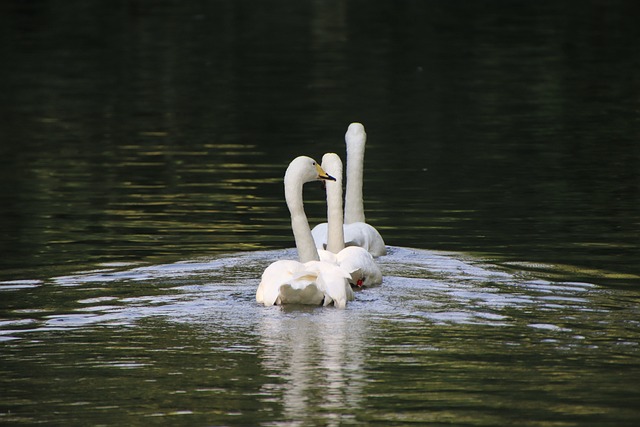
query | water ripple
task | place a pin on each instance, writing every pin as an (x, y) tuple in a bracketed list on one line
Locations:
[(419, 286)]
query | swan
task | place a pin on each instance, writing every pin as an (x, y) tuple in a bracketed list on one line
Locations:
[(355, 260), (356, 231), (309, 280)]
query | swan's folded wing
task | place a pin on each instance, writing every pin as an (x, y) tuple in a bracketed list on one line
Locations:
[(327, 256), (275, 275), (365, 236), (302, 279), (334, 282)]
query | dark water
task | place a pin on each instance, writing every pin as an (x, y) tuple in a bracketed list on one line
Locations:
[(142, 148)]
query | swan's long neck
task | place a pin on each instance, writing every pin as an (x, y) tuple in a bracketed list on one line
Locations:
[(354, 204), (299, 222), (335, 238)]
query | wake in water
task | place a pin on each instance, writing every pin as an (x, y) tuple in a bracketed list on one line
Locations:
[(418, 285), (441, 326)]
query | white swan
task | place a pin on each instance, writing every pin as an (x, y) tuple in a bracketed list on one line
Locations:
[(353, 259), (309, 280), (356, 231)]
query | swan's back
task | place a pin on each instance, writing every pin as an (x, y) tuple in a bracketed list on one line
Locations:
[(365, 236), (355, 234), (288, 282), (312, 283)]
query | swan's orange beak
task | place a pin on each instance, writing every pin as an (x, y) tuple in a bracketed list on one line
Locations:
[(323, 175)]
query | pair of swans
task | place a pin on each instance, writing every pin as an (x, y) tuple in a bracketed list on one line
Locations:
[(320, 276), (356, 231), (356, 260), (309, 280)]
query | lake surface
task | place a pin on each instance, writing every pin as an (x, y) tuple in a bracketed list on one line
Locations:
[(142, 149)]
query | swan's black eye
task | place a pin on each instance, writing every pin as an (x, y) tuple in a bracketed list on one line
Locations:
[(314, 163)]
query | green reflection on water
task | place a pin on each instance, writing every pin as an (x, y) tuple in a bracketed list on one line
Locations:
[(517, 140)]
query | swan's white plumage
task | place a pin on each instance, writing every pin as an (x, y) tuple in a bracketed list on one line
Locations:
[(365, 236), (320, 233), (361, 265), (308, 281), (355, 139), (327, 256), (333, 281), (356, 231), (355, 234), (288, 282), (356, 260)]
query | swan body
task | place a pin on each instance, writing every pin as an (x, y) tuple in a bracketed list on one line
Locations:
[(314, 282), (309, 280), (356, 260), (356, 231), (355, 234)]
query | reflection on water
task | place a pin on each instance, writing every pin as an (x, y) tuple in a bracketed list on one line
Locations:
[(446, 337), (317, 360)]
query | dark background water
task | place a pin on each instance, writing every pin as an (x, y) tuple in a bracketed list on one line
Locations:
[(139, 130), (134, 134)]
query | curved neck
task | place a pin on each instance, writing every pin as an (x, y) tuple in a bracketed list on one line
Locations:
[(299, 223), (335, 231), (354, 204)]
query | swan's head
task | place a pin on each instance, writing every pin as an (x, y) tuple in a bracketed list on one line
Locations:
[(332, 164), (306, 169), (355, 134)]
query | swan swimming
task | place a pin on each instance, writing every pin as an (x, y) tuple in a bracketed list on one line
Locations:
[(356, 231), (308, 280), (355, 260)]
